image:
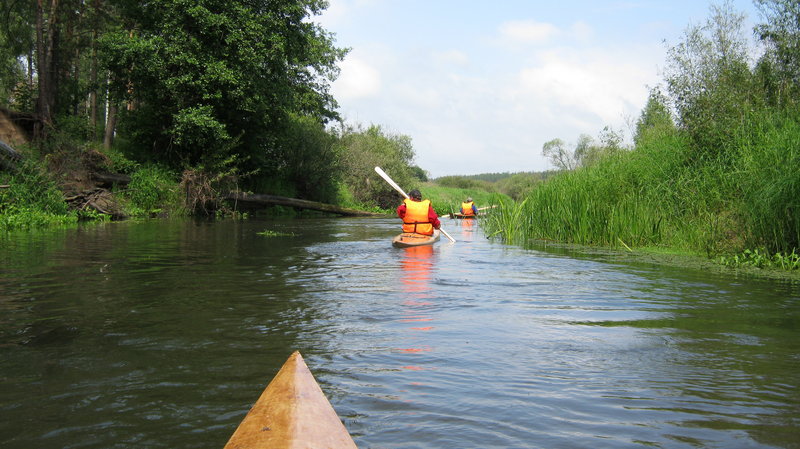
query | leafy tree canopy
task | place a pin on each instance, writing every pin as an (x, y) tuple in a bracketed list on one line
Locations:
[(207, 78)]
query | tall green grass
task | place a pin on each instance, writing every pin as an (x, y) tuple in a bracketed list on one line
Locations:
[(768, 181), (665, 194), (31, 199), (153, 190)]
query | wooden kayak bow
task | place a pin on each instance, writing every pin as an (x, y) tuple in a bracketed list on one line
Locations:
[(292, 413)]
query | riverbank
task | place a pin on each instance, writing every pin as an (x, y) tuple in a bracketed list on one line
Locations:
[(665, 257)]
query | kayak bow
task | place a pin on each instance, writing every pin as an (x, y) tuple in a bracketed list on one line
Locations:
[(292, 413)]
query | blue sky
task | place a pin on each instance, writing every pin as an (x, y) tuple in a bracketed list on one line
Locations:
[(480, 86)]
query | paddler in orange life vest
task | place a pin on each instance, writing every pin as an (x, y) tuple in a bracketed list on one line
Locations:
[(468, 207), (418, 214)]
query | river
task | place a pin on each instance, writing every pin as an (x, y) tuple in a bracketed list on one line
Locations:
[(162, 334)]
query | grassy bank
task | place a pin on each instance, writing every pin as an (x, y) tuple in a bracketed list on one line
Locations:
[(740, 200), (448, 199)]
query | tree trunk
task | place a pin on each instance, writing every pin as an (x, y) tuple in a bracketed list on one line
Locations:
[(255, 199), (93, 69), (93, 81), (111, 124), (46, 37)]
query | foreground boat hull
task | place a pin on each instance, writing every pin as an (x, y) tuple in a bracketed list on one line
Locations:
[(409, 239), (292, 412)]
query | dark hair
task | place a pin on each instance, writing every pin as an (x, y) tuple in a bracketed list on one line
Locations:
[(415, 195)]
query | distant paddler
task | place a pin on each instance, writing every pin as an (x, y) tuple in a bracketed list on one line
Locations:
[(468, 208)]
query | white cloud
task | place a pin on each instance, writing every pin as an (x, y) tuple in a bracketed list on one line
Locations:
[(528, 31), (587, 83), (454, 57), (581, 31), (488, 100), (357, 79)]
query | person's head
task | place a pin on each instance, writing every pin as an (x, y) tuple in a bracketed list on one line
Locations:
[(469, 199), (415, 195)]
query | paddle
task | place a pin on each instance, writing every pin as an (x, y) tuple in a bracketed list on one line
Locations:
[(402, 192)]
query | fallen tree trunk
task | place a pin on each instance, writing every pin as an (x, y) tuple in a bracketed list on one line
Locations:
[(8, 156), (109, 179), (272, 200)]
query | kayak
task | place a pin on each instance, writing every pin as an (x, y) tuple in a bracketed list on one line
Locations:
[(292, 412), (408, 239)]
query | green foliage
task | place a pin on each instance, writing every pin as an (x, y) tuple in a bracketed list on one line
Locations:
[(520, 184), (364, 149), (419, 173), (462, 182), (310, 156), (597, 205), (32, 199), (709, 80), (780, 65), (655, 115), (346, 198), (488, 177), (16, 40), (196, 127), (759, 259), (152, 188), (725, 180), (562, 158), (216, 79), (446, 200), (767, 180), (585, 152)]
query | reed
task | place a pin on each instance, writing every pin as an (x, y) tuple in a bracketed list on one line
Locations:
[(666, 193)]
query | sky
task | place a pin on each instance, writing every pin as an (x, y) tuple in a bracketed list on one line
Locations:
[(480, 86)]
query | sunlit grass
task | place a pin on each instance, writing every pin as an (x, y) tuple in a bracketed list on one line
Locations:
[(663, 195)]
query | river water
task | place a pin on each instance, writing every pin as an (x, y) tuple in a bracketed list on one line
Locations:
[(162, 334)]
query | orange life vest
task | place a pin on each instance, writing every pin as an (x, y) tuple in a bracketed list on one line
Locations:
[(466, 208), (416, 217)]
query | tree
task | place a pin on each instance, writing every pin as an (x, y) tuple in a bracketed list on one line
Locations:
[(207, 79), (565, 159), (559, 155), (655, 115), (364, 149), (709, 79), (17, 40), (780, 65)]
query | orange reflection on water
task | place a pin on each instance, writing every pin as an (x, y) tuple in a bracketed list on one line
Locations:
[(417, 265), (416, 318)]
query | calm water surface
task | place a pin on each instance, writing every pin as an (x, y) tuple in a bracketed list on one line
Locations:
[(163, 334)]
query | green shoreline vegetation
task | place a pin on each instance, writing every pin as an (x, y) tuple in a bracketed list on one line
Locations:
[(715, 165), (713, 170)]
